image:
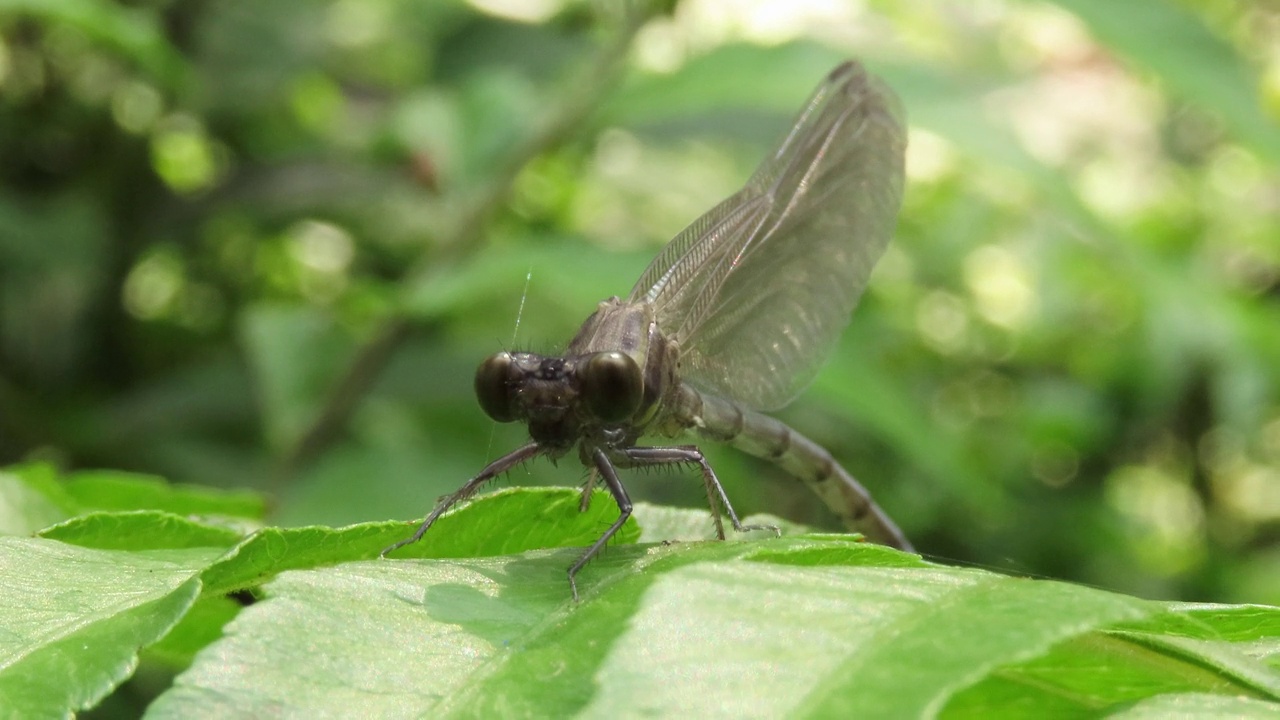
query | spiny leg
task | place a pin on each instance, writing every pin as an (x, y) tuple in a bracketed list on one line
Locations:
[(610, 476), (588, 487), (490, 471), (679, 454)]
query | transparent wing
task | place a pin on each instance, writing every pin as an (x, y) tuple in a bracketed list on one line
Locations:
[(758, 290)]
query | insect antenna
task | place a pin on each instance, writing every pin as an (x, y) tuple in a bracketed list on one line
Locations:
[(515, 331), (524, 295)]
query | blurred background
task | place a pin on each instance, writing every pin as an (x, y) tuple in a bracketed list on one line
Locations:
[(265, 245)]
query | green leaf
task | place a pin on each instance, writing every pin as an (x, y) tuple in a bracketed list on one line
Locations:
[(31, 498), (501, 523), (514, 520), (1202, 706), (478, 624), (141, 530), (810, 625), (816, 626), (116, 490), (659, 523), (75, 618), (1070, 678), (1243, 642), (200, 626)]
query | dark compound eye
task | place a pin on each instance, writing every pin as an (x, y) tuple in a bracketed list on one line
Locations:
[(494, 389), (611, 385)]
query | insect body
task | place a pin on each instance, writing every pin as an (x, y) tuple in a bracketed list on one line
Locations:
[(733, 317)]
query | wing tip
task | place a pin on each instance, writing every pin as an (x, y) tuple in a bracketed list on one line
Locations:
[(852, 78), (845, 71)]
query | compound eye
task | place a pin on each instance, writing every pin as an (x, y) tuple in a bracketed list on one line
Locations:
[(494, 389), (611, 386)]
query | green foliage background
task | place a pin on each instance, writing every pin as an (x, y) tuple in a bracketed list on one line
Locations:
[(264, 245)]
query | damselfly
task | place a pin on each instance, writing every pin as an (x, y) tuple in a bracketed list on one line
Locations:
[(733, 317)]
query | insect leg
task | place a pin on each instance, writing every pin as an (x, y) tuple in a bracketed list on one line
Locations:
[(677, 454), (492, 470), (610, 476), (588, 487)]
